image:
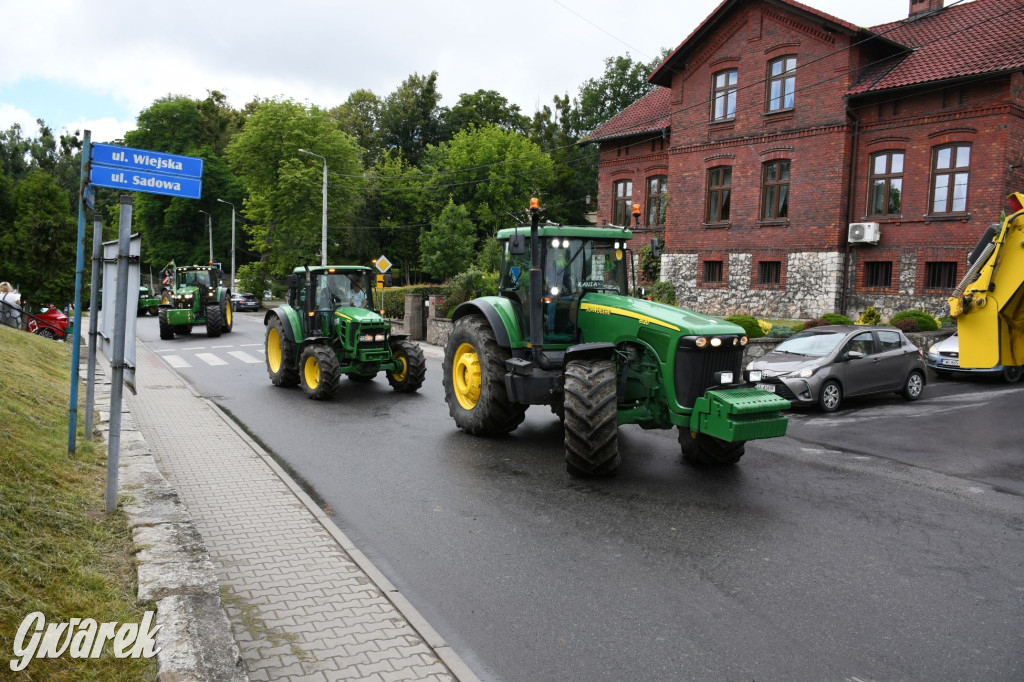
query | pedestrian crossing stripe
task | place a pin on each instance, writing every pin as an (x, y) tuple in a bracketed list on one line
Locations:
[(211, 359)]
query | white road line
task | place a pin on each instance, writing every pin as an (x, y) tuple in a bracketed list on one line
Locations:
[(228, 346), (176, 361), (194, 348), (249, 345), (244, 357), (210, 359)]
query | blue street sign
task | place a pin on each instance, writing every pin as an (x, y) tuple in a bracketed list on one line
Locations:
[(153, 183), (89, 195), (147, 161)]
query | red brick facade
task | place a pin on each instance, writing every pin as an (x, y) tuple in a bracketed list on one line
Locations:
[(830, 136)]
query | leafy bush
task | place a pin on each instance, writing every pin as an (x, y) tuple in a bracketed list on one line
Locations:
[(947, 322), (650, 267), (816, 322), (925, 322), (781, 331), (749, 323), (907, 325), (394, 298), (870, 316), (664, 292), (468, 285), (766, 327), (834, 318)]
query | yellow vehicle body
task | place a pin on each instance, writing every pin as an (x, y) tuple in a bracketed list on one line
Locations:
[(989, 302)]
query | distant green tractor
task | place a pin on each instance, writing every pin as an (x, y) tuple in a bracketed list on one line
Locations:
[(194, 297), (147, 302), (563, 332), (327, 327)]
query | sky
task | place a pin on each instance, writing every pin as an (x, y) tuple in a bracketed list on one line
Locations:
[(95, 64)]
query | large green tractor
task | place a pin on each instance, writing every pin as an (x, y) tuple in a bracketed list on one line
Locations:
[(563, 332), (194, 297), (328, 327)]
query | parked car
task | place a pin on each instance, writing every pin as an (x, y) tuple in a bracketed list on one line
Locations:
[(244, 301), (944, 357), (824, 365), (49, 322)]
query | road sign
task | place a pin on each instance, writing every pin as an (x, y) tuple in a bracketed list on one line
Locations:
[(147, 161), (383, 264), (89, 195), (153, 183), (380, 281)]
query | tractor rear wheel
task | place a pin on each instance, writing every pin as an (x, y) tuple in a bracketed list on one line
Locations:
[(280, 352), (473, 374), (318, 372), (705, 450), (413, 367), (591, 411), (165, 329), (214, 321)]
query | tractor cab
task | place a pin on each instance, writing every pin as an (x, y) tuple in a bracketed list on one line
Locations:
[(333, 295)]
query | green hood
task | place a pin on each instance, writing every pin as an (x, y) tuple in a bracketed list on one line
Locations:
[(668, 317)]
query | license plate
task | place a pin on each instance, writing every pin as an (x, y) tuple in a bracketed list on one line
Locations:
[(766, 387), (955, 362)]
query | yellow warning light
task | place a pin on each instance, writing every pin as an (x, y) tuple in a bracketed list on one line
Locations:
[(534, 204), (636, 209)]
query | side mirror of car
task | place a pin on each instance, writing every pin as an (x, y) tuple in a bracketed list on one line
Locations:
[(854, 355)]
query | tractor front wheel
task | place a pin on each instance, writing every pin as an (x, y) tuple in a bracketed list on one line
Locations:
[(214, 321), (280, 353), (227, 316), (165, 329), (318, 372), (412, 367), (705, 450), (591, 411), (474, 380)]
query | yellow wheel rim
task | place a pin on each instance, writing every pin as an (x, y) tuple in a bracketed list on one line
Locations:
[(401, 370), (228, 311), (274, 350), (311, 370), (466, 376)]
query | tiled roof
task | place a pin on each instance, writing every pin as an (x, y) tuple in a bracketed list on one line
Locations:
[(649, 114), (959, 41)]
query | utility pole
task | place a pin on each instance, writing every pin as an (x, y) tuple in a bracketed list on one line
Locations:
[(323, 237), (232, 241), (209, 227)]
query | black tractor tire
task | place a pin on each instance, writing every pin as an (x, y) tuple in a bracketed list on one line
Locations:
[(361, 378), (318, 371), (591, 410), (214, 321), (473, 374), (280, 354), (1011, 375), (166, 331), (704, 450), (830, 396), (228, 317), (913, 386), (410, 378)]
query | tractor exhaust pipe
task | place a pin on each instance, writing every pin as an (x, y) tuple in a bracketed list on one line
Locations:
[(536, 281)]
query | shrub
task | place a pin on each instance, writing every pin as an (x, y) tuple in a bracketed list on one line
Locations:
[(816, 322), (870, 316), (664, 292), (781, 331), (834, 318), (468, 285), (766, 327), (749, 323), (947, 322), (394, 298), (925, 322), (907, 325)]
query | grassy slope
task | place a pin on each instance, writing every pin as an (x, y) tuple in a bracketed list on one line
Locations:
[(59, 552)]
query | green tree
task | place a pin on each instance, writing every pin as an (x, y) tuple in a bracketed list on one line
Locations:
[(623, 82), (410, 117), (481, 108), (447, 248), (359, 116)]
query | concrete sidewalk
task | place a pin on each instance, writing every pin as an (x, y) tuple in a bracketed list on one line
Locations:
[(302, 601)]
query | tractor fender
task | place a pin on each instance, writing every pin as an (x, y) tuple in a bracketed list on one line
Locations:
[(488, 307), (590, 351), (285, 322)]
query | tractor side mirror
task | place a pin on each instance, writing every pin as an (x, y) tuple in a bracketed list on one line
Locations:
[(517, 245), (655, 249), (293, 281)]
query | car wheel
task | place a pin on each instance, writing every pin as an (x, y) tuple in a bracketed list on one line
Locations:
[(1012, 374), (830, 396), (913, 386)]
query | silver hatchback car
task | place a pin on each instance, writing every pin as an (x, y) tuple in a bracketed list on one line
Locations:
[(823, 365)]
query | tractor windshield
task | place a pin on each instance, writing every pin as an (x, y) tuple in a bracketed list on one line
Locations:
[(576, 265), (196, 278), (334, 289)]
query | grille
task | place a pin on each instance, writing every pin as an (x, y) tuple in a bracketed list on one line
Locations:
[(695, 370)]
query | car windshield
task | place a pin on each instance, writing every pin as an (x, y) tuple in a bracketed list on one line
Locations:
[(811, 343)]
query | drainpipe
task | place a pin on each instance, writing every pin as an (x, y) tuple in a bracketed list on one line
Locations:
[(849, 211)]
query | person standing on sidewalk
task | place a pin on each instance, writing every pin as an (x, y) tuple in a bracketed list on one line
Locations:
[(10, 306)]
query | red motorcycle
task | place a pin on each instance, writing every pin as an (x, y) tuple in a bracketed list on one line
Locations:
[(49, 322)]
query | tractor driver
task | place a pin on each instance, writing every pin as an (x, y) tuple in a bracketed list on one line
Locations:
[(330, 293)]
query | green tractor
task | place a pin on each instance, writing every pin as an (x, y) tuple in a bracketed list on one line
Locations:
[(147, 302), (194, 296), (564, 332), (327, 327)]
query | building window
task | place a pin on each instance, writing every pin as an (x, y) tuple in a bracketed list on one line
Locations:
[(719, 189), (769, 272), (951, 166), (623, 202), (713, 273), (781, 83), (940, 275), (657, 199), (886, 183), (775, 190), (723, 95), (878, 274)]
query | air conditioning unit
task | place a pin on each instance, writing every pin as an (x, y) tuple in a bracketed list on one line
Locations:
[(864, 233)]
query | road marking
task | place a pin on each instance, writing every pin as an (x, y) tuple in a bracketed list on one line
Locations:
[(176, 361), (249, 345), (210, 359), (229, 346), (194, 348), (244, 357)]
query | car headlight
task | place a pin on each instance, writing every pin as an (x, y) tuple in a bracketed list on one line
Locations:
[(932, 349), (804, 373)]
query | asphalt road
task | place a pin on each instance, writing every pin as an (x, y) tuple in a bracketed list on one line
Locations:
[(883, 542)]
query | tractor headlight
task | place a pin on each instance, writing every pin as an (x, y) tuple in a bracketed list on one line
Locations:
[(378, 337), (365, 338)]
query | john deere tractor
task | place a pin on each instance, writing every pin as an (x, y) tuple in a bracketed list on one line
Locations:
[(194, 297), (328, 327), (563, 332)]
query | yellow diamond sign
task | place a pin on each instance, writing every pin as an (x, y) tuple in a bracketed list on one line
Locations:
[(383, 264)]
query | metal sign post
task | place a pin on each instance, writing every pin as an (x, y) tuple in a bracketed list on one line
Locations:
[(120, 303), (76, 339)]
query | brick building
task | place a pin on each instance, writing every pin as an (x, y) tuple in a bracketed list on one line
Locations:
[(797, 164)]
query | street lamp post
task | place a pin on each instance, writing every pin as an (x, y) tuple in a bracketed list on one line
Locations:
[(209, 226), (323, 237), (232, 241)]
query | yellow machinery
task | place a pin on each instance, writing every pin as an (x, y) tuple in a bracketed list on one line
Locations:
[(989, 302)]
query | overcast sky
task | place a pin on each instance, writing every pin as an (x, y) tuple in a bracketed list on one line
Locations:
[(94, 64)]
